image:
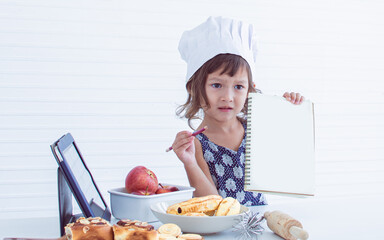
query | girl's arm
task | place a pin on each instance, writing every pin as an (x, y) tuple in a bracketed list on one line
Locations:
[(199, 176), (194, 163)]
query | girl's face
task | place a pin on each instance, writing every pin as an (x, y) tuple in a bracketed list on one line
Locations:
[(226, 95)]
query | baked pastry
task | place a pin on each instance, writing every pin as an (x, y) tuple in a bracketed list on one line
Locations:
[(89, 229), (134, 230), (169, 229), (210, 213), (190, 236), (196, 204), (166, 237), (229, 206)]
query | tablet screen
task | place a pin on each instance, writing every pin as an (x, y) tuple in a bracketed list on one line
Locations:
[(84, 180), (79, 179)]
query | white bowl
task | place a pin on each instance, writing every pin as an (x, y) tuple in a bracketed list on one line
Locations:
[(137, 207), (196, 224)]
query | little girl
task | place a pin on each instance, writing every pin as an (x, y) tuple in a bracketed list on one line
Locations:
[(220, 56)]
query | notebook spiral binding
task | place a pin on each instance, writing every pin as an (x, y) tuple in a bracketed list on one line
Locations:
[(247, 145)]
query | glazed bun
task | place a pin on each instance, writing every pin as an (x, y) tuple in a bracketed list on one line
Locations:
[(134, 230), (89, 229)]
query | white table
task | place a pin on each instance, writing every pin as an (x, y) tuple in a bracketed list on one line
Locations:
[(350, 219)]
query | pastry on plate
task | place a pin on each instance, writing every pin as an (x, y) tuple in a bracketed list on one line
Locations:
[(196, 204), (134, 230), (229, 206), (169, 229), (89, 229)]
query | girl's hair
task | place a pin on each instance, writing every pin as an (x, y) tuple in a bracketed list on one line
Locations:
[(196, 85)]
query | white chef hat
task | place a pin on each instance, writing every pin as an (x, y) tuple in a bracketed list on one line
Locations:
[(215, 36)]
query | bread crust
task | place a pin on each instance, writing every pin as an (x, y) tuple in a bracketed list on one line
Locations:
[(135, 224), (229, 206), (100, 229), (89, 228), (134, 230), (196, 204)]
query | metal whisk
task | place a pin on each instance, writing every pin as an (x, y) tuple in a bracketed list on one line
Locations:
[(250, 225)]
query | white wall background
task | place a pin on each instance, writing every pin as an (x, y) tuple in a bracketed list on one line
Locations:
[(109, 72)]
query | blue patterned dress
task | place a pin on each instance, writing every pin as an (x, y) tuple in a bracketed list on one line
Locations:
[(227, 169)]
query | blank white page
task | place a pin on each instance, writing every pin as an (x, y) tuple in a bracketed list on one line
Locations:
[(280, 154)]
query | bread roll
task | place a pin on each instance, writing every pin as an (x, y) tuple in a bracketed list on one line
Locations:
[(197, 204), (190, 236), (229, 206), (170, 229), (134, 230), (166, 237), (88, 229), (210, 213)]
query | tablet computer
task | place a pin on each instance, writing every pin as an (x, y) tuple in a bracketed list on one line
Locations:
[(79, 178)]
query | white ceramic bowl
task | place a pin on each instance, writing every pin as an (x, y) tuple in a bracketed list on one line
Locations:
[(196, 224), (137, 207)]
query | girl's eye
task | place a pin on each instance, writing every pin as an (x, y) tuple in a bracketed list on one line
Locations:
[(216, 85), (239, 87)]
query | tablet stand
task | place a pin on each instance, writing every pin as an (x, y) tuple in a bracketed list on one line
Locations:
[(65, 202)]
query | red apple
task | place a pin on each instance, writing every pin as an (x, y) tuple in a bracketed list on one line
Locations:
[(166, 189), (162, 190), (141, 180), (142, 192), (172, 188)]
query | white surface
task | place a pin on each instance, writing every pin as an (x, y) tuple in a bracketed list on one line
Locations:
[(331, 219), (130, 206), (193, 224), (109, 72)]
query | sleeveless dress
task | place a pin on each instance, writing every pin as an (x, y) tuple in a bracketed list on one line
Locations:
[(227, 169)]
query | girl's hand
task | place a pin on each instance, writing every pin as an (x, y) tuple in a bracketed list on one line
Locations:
[(294, 98), (184, 147)]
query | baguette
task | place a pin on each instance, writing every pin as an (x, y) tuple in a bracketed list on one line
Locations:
[(229, 206), (196, 204)]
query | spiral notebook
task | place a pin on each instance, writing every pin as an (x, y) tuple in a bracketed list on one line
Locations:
[(280, 146)]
